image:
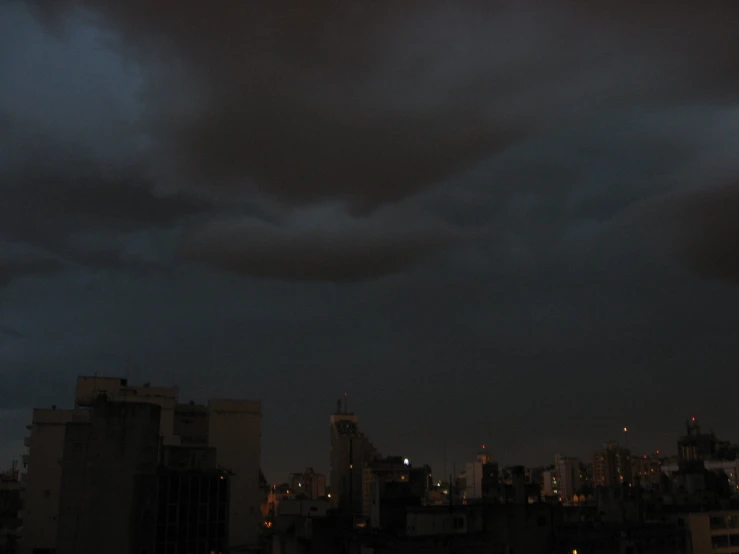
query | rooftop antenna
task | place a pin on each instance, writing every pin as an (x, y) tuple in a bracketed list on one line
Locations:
[(445, 458), (626, 437), (346, 403), (338, 405)]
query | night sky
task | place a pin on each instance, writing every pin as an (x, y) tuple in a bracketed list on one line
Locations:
[(512, 223)]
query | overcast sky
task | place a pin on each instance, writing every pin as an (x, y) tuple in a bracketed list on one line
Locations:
[(510, 223)]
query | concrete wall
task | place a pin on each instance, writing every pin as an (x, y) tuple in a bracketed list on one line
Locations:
[(191, 424), (234, 429), (117, 390), (103, 461), (90, 388), (43, 481), (702, 532)]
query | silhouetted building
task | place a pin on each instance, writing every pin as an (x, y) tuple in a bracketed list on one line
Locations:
[(421, 482), (230, 428), (696, 446), (646, 472), (586, 477), (482, 477), (611, 466), (44, 476), (104, 463), (10, 510), (568, 473), (191, 512), (350, 451), (124, 492), (379, 477), (550, 483), (308, 484)]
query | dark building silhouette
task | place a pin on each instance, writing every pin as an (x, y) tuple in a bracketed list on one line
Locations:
[(191, 512), (695, 446), (230, 428), (350, 451), (612, 466), (122, 491)]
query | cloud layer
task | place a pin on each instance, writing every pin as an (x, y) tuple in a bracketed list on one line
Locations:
[(505, 192), (323, 244)]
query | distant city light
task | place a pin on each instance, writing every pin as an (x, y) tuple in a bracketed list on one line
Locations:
[(626, 430), (406, 462), (484, 447), (692, 419), (329, 495)]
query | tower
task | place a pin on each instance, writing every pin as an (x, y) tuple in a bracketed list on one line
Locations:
[(350, 450)]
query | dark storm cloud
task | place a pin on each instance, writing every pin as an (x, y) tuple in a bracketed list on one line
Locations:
[(10, 332), (54, 192), (321, 245), (530, 130), (699, 226), (373, 102), (52, 187), (12, 269)]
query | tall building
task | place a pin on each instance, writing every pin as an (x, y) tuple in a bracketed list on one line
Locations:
[(695, 446), (231, 428), (308, 484), (377, 476), (550, 483), (482, 477), (44, 477), (612, 466), (103, 461), (122, 491), (646, 472), (350, 451), (586, 475), (568, 472)]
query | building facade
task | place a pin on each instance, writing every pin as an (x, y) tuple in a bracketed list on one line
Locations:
[(482, 477), (568, 473), (716, 531), (308, 484), (44, 476), (231, 428), (103, 461), (612, 466), (350, 451)]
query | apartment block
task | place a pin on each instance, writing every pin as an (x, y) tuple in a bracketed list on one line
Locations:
[(229, 429)]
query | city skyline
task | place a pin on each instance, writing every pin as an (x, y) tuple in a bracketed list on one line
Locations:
[(451, 460), (510, 226)]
